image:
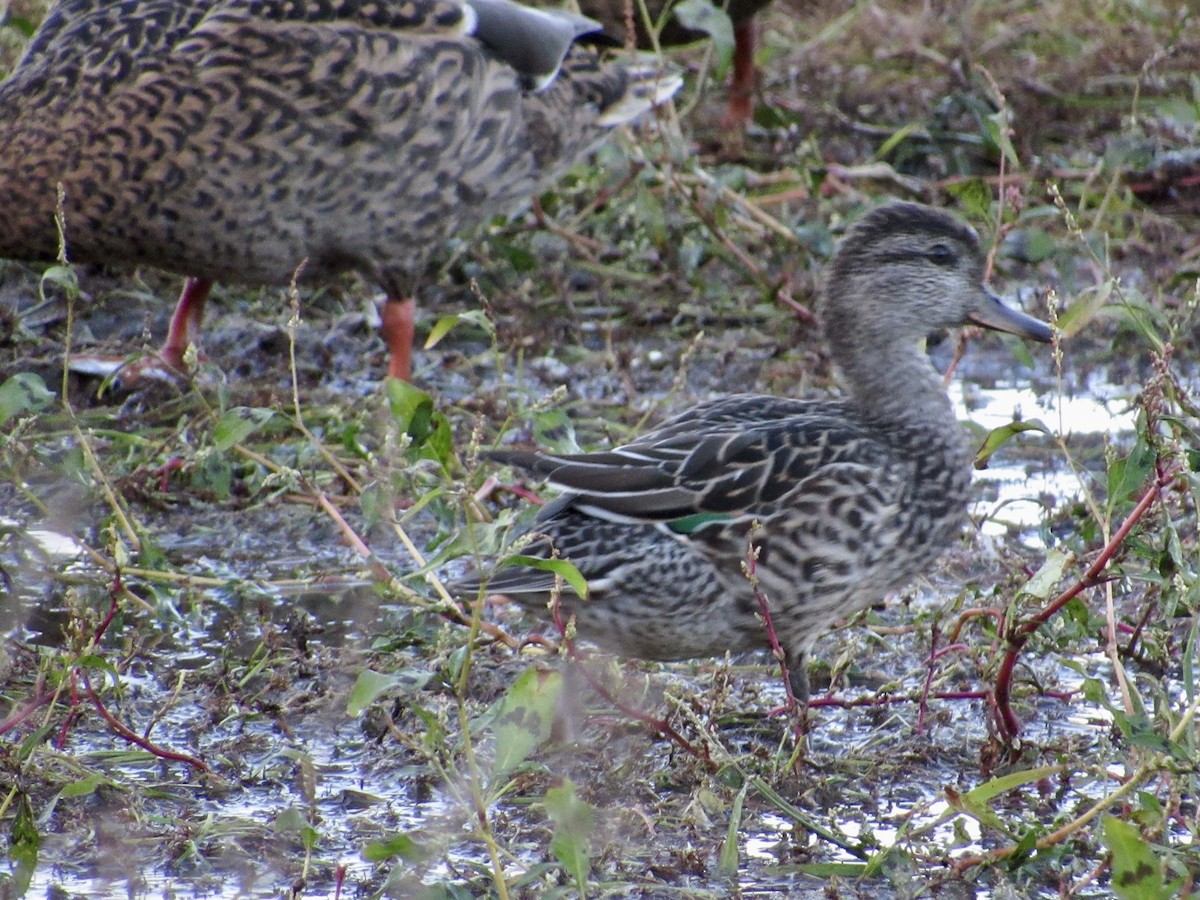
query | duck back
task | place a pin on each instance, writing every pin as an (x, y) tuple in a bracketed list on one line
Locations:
[(244, 141)]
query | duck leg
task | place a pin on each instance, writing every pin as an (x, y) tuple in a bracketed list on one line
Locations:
[(185, 322), (399, 315), (740, 109), (168, 363), (797, 666)]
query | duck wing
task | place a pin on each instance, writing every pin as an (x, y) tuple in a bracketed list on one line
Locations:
[(736, 467)]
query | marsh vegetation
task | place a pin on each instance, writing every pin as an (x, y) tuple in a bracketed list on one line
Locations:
[(230, 666)]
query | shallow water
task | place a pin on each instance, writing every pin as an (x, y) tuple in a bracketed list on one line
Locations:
[(310, 610)]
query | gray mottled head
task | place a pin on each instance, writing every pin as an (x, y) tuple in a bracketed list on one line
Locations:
[(905, 270)]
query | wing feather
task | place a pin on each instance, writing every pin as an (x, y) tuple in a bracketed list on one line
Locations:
[(741, 457)]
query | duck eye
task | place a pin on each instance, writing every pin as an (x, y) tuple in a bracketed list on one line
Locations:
[(941, 255)]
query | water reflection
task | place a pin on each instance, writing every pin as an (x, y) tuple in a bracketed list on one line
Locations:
[(1017, 492)]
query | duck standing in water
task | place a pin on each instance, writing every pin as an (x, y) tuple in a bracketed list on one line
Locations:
[(843, 500), (253, 140)]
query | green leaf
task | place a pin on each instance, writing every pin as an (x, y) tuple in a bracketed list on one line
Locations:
[(352, 444), (62, 277), (215, 474), (400, 845), (565, 570), (976, 802), (975, 197), (1084, 307), (293, 821), (413, 411), (523, 717), (696, 521), (850, 871), (84, 787), (896, 138), (1036, 244), (1128, 475), (703, 15), (440, 329), (458, 659), (973, 807), (1048, 576), (24, 393), (1139, 729), (727, 863), (370, 685), (100, 664), (998, 437), (573, 822), (24, 25), (555, 430), (1136, 872), (411, 408), (23, 845), (238, 424), (34, 740), (521, 259), (993, 788), (996, 127), (439, 445), (446, 324)]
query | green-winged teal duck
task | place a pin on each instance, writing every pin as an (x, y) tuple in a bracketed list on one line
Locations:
[(251, 140), (843, 499)]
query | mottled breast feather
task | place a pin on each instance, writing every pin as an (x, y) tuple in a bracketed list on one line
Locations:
[(234, 140)]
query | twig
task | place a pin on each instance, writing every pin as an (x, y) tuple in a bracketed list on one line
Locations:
[(750, 206), (1006, 720), (750, 570), (133, 737), (40, 698), (934, 655), (658, 725), (737, 252), (447, 608), (1129, 786)]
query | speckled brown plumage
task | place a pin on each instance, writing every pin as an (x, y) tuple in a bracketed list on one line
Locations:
[(247, 140), (844, 500)]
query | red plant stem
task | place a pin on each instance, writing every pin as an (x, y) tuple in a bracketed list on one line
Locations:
[(934, 655), (113, 593), (947, 650), (133, 738), (772, 637), (1136, 633), (658, 725), (975, 612), (1006, 720), (164, 471), (892, 699), (782, 295), (40, 699), (72, 714)]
